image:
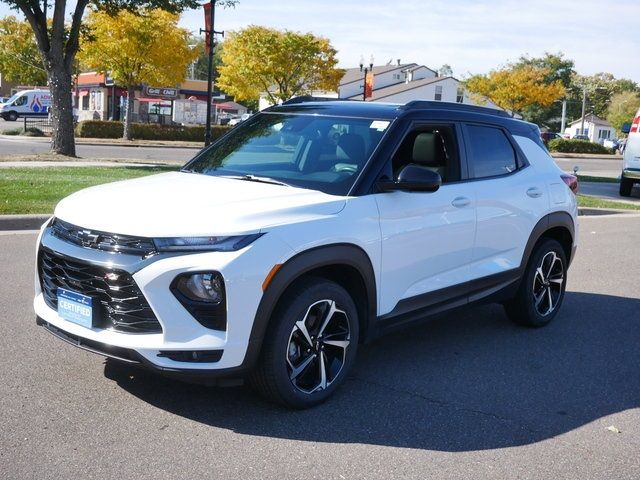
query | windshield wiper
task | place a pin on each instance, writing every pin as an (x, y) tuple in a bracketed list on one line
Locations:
[(254, 178)]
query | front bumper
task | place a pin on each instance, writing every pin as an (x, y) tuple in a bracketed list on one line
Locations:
[(243, 272), (631, 173)]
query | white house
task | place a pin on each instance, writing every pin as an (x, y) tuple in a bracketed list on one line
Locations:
[(595, 128), (402, 83)]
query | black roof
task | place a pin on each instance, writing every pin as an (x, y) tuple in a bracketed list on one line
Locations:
[(391, 111)]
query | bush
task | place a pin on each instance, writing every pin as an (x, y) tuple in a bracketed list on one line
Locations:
[(99, 129), (563, 145), (29, 132), (147, 131)]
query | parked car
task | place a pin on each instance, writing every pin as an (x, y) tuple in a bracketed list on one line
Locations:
[(611, 143), (548, 136), (241, 118), (30, 103), (308, 229), (580, 137), (631, 159)]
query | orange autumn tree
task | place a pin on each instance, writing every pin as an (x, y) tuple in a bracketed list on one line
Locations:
[(515, 88), (282, 64), (141, 47)]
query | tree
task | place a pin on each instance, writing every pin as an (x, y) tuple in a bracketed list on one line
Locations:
[(282, 64), (600, 88), (20, 61), (58, 44), (559, 69), (445, 71), (201, 63), (516, 88), (145, 46), (622, 108)]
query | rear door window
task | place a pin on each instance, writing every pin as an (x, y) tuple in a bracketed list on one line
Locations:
[(490, 152)]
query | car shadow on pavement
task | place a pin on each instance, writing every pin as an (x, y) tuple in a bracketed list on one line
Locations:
[(466, 381)]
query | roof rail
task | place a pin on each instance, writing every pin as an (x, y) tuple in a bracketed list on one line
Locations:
[(433, 105), (310, 98)]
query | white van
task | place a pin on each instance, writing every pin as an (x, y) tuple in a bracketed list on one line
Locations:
[(631, 160), (27, 103)]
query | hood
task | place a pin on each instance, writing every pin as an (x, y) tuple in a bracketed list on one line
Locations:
[(187, 204)]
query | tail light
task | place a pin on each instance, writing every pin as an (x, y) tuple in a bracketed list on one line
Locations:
[(571, 181), (635, 126)]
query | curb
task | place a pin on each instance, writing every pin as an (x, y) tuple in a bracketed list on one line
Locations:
[(150, 145), (599, 156), (594, 212), (22, 222)]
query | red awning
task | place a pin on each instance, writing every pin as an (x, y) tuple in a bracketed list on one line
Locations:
[(158, 100)]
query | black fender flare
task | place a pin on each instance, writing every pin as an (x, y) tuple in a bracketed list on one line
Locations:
[(327, 255), (546, 223)]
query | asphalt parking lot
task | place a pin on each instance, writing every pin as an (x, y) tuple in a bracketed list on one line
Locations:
[(468, 395)]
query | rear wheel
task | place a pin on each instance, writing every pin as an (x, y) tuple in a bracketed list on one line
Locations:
[(310, 346), (625, 187), (542, 289)]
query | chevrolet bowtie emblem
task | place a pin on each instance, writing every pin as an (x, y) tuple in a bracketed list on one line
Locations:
[(87, 238)]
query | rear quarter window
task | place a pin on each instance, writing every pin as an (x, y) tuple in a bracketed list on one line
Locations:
[(490, 152)]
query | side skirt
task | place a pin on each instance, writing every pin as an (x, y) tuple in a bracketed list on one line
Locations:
[(409, 311)]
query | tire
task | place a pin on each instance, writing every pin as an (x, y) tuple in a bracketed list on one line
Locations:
[(11, 116), (545, 279), (289, 371), (625, 187)]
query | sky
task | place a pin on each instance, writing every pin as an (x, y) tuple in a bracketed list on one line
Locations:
[(473, 36)]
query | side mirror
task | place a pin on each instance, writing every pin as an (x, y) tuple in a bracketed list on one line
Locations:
[(413, 178)]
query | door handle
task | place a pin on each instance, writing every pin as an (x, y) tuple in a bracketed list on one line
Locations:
[(534, 192), (460, 202)]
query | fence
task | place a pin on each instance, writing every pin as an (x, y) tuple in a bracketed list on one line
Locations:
[(41, 123)]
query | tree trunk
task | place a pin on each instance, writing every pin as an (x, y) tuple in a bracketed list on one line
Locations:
[(62, 138), (129, 114)]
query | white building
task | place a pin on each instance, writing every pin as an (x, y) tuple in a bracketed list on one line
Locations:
[(399, 83), (597, 129), (402, 83)]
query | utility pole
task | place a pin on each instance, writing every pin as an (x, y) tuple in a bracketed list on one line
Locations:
[(211, 31), (584, 107), (563, 123)]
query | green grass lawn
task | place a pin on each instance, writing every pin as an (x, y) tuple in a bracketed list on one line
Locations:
[(587, 178), (37, 190), (593, 202)]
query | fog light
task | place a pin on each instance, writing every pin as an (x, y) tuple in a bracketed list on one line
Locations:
[(203, 287)]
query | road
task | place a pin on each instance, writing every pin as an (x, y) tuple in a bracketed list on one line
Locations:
[(594, 167), (467, 395), (31, 146)]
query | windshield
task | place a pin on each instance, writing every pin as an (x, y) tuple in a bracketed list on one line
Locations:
[(307, 151), (13, 99)]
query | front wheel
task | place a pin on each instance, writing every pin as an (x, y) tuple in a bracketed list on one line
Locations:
[(310, 346), (542, 288), (625, 187), (11, 116)]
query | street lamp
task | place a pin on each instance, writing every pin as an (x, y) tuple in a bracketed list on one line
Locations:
[(366, 72), (211, 32)]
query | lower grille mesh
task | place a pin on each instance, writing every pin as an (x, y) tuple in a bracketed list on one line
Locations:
[(122, 305)]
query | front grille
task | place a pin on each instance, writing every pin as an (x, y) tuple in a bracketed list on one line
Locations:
[(122, 306), (109, 242)]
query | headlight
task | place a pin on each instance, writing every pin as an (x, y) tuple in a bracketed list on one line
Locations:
[(208, 244), (203, 287)]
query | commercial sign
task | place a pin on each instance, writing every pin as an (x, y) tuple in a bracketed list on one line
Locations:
[(161, 92)]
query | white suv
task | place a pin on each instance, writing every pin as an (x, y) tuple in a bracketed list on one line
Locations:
[(631, 159), (308, 229)]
